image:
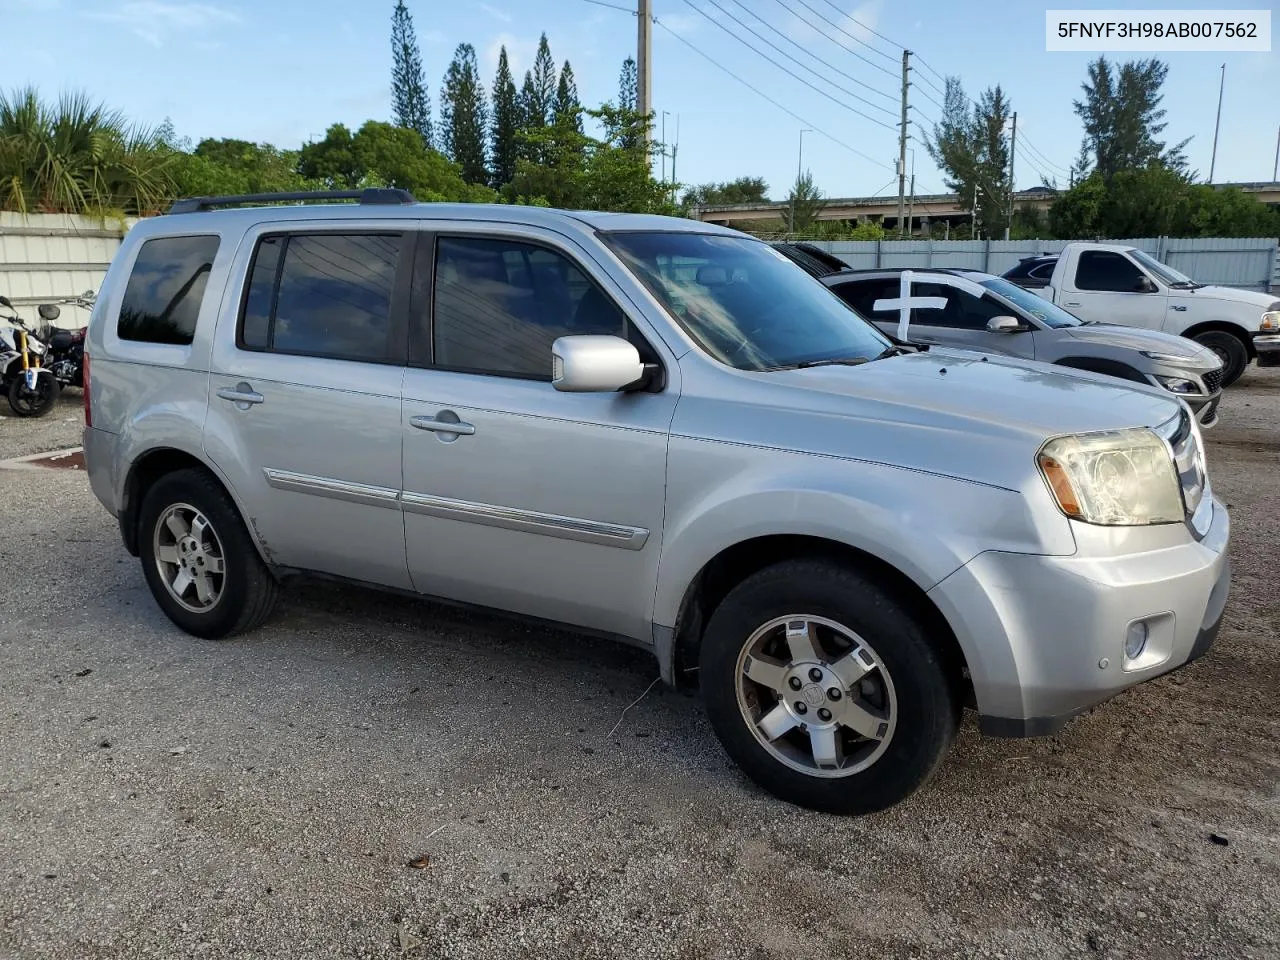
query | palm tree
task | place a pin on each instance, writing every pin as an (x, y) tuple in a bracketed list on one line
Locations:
[(77, 156)]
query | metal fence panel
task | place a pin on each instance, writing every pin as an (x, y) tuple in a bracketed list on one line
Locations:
[(46, 257), (1248, 263)]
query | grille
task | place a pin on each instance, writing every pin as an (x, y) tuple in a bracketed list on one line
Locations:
[(1213, 380)]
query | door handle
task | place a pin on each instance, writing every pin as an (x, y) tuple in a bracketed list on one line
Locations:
[(436, 425), (1071, 303), (240, 393)]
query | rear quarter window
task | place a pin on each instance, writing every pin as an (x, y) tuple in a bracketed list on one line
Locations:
[(162, 298)]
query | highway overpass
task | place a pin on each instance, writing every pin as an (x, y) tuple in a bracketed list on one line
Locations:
[(937, 207)]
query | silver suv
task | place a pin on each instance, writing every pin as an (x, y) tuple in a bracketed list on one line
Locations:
[(658, 431)]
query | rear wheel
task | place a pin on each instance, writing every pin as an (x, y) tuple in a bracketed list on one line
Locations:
[(1230, 350), (825, 689), (33, 401), (199, 562)]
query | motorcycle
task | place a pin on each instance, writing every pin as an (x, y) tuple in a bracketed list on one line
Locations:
[(32, 389), (66, 347)]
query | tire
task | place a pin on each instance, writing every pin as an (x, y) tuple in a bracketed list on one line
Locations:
[(33, 403), (1230, 348), (243, 590), (909, 692)]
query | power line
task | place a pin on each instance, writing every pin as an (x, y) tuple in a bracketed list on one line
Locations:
[(788, 72), (611, 6), (837, 26), (1044, 158), (922, 63), (888, 96), (787, 110), (864, 27), (929, 98)]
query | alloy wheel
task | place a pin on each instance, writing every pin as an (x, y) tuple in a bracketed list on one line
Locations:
[(189, 557)]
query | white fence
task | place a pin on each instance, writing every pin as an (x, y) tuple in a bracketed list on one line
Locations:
[(49, 256), (1252, 264)]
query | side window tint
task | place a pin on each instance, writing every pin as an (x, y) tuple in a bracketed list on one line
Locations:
[(862, 296), (162, 299), (963, 311), (325, 295), (500, 304), (1103, 270), (1043, 272)]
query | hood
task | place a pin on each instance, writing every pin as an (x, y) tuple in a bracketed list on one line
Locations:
[(1154, 341), (949, 412), (1263, 301)]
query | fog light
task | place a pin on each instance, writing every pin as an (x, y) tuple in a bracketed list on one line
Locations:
[(1135, 641)]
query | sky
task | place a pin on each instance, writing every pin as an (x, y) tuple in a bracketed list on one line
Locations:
[(282, 71)]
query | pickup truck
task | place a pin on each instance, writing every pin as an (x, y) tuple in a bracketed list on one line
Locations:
[(1113, 283)]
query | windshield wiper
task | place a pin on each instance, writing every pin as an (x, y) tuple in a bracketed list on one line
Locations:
[(847, 361), (1186, 285)]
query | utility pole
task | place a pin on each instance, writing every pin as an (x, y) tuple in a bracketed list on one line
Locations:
[(911, 205), (973, 225), (1013, 152), (902, 139), (644, 63), (664, 146), (1275, 167), (799, 169), (1214, 157), (675, 148)]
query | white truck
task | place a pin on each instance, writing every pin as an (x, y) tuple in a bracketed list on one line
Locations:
[(1110, 283)]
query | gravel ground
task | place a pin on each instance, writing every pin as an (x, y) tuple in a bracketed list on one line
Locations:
[(162, 796), (56, 430)]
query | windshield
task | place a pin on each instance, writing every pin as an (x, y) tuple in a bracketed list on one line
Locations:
[(1051, 315), (1163, 271), (745, 303)]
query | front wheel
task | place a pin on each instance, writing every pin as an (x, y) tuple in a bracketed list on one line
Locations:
[(33, 401), (1230, 350), (825, 689), (199, 562)]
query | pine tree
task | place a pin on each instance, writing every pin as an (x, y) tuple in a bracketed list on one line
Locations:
[(410, 101), (464, 115), (628, 84), (503, 140), (544, 84), (566, 108), (530, 120)]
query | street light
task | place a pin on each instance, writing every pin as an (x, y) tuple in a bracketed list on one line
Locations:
[(799, 168)]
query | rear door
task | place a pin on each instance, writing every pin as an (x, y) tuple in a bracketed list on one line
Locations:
[(961, 323), (304, 409), (1105, 289), (517, 496)]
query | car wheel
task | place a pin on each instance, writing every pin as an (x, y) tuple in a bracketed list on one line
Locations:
[(1230, 350), (199, 562), (825, 689)]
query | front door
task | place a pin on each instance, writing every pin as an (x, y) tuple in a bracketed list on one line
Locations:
[(304, 408), (1106, 290), (517, 496)]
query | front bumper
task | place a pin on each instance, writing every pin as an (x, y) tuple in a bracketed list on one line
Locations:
[(1268, 347), (1204, 407), (1044, 636)]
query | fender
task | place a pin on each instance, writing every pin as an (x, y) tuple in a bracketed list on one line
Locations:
[(923, 525)]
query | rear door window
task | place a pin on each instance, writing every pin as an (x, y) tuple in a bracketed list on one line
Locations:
[(162, 299), (862, 295), (323, 295)]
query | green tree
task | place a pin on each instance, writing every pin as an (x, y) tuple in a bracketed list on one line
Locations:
[(565, 109), (741, 190), (804, 203), (1230, 212), (230, 166), (539, 107), (78, 156), (628, 84), (971, 147), (504, 127), (464, 115), (411, 104), (531, 121), (1123, 119), (382, 154)]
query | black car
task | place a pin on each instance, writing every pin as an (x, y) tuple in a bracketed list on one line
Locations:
[(1034, 273), (815, 261)]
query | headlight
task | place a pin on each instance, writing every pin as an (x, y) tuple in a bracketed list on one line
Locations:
[(1270, 322), (1122, 478), (1167, 357), (1178, 384)]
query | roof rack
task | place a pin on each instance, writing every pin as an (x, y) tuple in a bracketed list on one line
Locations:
[(380, 196)]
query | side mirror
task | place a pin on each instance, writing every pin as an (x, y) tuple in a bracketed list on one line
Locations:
[(4, 302), (49, 311), (594, 364), (1004, 325), (1145, 285)]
